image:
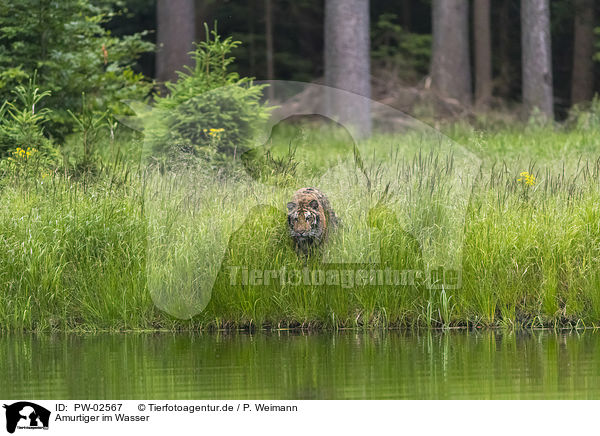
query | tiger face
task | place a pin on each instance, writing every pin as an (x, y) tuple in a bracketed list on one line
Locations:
[(304, 222), (306, 219)]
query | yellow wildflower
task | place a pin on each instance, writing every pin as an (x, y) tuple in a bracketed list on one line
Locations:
[(214, 132), (528, 179), (22, 153)]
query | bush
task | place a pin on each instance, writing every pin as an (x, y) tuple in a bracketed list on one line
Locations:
[(65, 41), (399, 51), (22, 136), (585, 116), (210, 112)]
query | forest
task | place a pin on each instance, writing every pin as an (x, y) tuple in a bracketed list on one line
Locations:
[(139, 190), (484, 36)]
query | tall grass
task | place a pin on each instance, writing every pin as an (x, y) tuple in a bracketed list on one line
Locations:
[(137, 249)]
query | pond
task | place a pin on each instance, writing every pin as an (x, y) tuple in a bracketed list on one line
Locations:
[(293, 365)]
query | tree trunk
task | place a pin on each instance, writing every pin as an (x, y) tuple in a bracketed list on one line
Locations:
[(175, 35), (203, 14), (483, 52), (582, 82), (506, 73), (536, 57), (450, 65), (406, 15), (252, 39), (269, 43), (347, 62)]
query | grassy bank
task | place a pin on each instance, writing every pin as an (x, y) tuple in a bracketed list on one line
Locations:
[(103, 252)]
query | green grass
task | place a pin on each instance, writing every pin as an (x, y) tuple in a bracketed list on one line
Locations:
[(130, 249)]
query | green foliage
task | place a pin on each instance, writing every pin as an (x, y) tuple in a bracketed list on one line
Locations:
[(294, 151), (22, 138), (585, 116), (66, 42), (88, 124), (395, 49), (597, 54), (266, 167), (210, 112), (21, 122), (80, 253)]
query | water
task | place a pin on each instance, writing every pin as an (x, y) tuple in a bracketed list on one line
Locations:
[(350, 365)]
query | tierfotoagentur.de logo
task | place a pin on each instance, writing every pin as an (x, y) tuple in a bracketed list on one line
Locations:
[(26, 415), (291, 215)]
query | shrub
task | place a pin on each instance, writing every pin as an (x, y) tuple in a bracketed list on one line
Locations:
[(22, 130), (585, 116), (210, 112), (399, 51), (65, 41)]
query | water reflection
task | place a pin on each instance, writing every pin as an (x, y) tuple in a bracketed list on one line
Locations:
[(291, 365)]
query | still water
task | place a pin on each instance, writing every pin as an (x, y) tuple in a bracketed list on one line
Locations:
[(349, 365)]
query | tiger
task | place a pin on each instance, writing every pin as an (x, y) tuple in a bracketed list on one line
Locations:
[(310, 218)]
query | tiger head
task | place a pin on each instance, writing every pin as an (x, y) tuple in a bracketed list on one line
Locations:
[(306, 221)]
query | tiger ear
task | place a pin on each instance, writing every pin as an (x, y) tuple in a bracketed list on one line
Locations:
[(291, 206), (314, 205)]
